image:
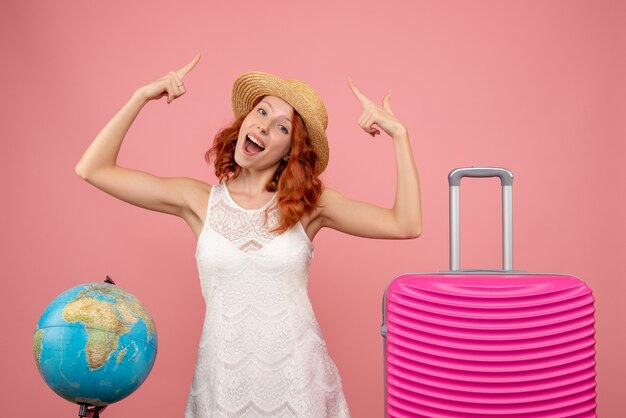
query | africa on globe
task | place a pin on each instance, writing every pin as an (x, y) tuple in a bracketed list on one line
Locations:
[(95, 344)]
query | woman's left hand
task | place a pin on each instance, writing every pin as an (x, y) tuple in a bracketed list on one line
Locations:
[(373, 114)]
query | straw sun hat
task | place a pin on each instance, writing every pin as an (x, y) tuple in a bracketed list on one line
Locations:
[(254, 84)]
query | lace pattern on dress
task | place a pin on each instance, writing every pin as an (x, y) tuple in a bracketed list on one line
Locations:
[(248, 230)]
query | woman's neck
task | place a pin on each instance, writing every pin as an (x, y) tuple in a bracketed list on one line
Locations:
[(250, 183)]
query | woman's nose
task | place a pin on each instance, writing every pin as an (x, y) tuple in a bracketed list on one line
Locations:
[(262, 128)]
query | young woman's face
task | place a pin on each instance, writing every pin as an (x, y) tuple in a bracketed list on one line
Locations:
[(265, 134)]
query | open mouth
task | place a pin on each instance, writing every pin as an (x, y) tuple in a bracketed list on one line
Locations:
[(253, 146)]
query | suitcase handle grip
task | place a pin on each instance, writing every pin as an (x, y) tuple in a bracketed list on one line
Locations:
[(455, 176), (506, 180)]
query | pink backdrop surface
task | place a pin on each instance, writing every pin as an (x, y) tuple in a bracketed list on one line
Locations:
[(534, 86)]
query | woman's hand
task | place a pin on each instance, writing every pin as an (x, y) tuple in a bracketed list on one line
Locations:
[(376, 115), (170, 85)]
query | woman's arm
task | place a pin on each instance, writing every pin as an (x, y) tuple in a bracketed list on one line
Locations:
[(404, 219), (98, 165)]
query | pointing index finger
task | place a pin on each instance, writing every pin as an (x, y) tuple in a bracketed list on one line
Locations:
[(360, 96), (184, 70)]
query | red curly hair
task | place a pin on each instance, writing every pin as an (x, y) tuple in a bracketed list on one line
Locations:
[(295, 181)]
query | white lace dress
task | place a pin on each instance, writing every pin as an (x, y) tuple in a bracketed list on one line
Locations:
[(261, 352)]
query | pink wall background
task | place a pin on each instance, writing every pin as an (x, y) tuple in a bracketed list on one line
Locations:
[(534, 86)]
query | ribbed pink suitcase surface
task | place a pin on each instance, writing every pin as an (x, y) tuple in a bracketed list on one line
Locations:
[(488, 343)]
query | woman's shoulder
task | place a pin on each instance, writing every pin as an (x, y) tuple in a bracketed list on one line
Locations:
[(193, 188), (327, 197), (311, 221), (196, 195)]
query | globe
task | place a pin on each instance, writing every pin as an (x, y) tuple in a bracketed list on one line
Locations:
[(95, 344)]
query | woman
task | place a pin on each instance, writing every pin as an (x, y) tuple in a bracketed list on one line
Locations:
[(261, 352)]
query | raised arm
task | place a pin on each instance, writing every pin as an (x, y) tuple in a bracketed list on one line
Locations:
[(404, 219), (98, 165)]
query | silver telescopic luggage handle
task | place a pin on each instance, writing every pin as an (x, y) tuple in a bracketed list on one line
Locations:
[(506, 179)]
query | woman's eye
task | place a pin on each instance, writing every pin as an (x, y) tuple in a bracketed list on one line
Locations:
[(284, 130), (262, 111)]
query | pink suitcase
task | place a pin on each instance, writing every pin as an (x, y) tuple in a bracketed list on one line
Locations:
[(488, 343)]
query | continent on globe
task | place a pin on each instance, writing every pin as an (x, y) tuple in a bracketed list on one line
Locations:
[(37, 347), (103, 324)]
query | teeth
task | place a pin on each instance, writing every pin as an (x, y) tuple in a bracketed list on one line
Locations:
[(253, 139)]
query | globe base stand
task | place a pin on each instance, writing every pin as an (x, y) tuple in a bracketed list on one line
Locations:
[(90, 411)]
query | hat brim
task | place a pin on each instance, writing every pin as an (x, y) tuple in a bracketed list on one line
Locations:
[(255, 84)]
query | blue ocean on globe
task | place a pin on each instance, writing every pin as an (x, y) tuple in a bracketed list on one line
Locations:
[(95, 344)]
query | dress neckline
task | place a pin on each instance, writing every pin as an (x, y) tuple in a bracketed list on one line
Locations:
[(238, 206)]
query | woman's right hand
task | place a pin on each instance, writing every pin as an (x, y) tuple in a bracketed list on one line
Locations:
[(170, 85)]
